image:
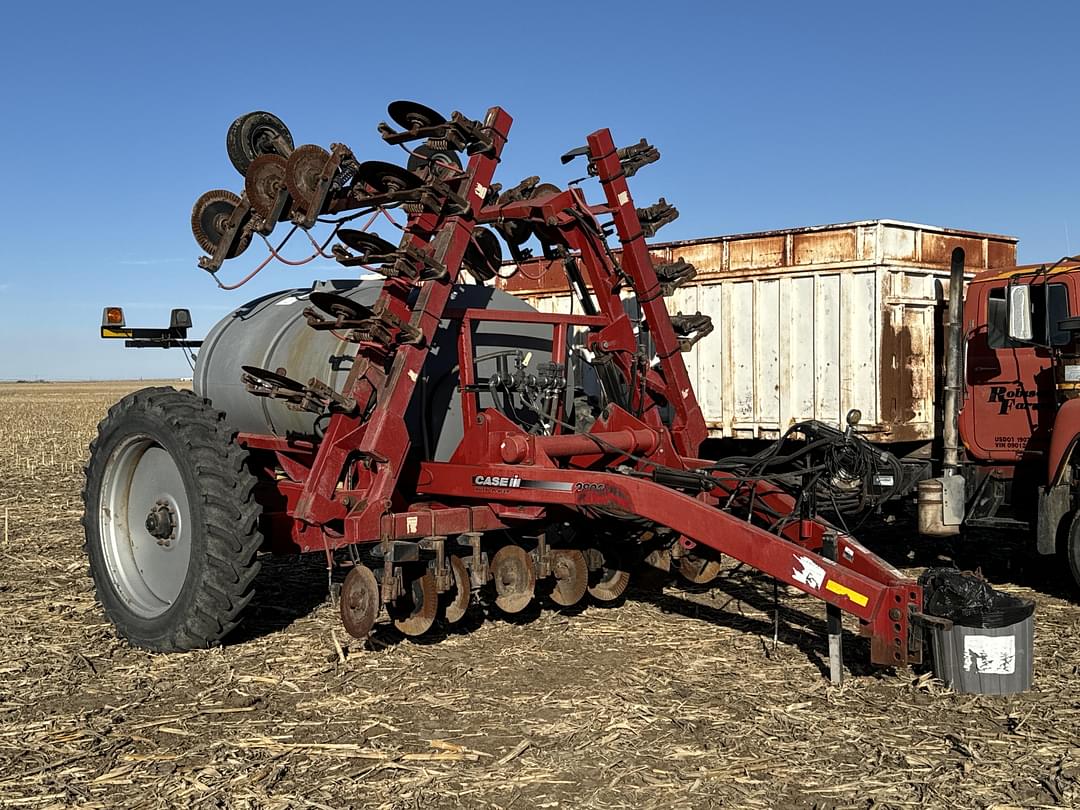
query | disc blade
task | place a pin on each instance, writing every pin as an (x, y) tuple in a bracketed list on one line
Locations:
[(571, 576), (385, 178), (515, 578), (609, 580), (458, 605), (302, 172), (339, 306), (273, 377), (413, 115), (264, 181), (699, 570), (360, 600), (483, 256), (208, 218), (365, 242), (414, 613)]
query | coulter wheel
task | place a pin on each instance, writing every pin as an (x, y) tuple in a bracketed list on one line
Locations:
[(360, 599), (263, 183), (461, 593), (571, 576), (699, 570), (515, 578), (302, 173), (414, 612), (608, 575), (171, 521), (209, 216)]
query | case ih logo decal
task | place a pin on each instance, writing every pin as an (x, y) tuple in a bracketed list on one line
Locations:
[(1014, 398), (505, 482), (516, 482)]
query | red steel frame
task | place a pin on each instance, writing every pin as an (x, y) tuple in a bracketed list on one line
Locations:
[(344, 490)]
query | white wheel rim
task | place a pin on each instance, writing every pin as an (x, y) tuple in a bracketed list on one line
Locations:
[(147, 571)]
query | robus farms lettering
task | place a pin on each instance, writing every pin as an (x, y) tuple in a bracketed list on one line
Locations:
[(1014, 398), (506, 481)]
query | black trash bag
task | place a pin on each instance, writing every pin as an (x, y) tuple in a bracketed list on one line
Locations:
[(969, 600)]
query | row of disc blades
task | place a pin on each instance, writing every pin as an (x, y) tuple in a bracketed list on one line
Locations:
[(513, 578)]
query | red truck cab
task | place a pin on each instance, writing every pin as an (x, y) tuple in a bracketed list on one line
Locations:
[(1020, 420)]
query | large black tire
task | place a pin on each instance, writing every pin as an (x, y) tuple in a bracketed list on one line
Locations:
[(188, 589), (1069, 549)]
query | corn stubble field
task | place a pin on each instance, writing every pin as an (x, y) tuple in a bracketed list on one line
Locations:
[(676, 698)]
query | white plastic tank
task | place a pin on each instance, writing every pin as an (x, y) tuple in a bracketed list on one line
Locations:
[(272, 333)]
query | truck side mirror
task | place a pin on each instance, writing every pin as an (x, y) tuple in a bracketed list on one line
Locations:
[(1018, 317)]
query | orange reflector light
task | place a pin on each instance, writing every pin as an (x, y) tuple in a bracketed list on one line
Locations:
[(114, 316)]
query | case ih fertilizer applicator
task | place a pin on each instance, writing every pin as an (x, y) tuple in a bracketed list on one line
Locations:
[(447, 438)]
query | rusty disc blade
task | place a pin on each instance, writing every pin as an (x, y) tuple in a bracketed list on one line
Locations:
[(208, 218), (571, 576), (302, 172), (359, 601), (462, 591), (515, 578), (609, 579), (265, 179), (699, 570), (414, 612)]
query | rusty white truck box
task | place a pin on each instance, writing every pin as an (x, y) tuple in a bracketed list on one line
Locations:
[(811, 322)]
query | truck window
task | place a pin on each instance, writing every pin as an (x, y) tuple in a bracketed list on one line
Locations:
[(1047, 300)]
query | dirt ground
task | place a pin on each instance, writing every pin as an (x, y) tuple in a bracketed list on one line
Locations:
[(673, 699)]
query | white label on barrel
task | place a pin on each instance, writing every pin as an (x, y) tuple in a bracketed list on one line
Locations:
[(993, 655)]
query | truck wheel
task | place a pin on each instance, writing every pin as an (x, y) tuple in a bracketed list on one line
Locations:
[(171, 521), (1069, 547)]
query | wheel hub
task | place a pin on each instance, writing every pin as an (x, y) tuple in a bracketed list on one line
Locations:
[(161, 522)]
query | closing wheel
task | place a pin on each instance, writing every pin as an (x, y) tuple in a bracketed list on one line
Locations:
[(263, 183), (699, 570), (360, 599), (209, 216), (414, 611), (571, 574), (254, 134), (608, 576), (515, 578), (171, 521), (302, 172), (461, 592)]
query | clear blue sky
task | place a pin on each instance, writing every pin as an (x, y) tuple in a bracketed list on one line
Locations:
[(768, 115)]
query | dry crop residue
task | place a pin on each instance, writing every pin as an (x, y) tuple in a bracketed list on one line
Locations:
[(677, 699)]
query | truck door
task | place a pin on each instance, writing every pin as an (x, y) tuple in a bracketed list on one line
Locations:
[(1010, 402)]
